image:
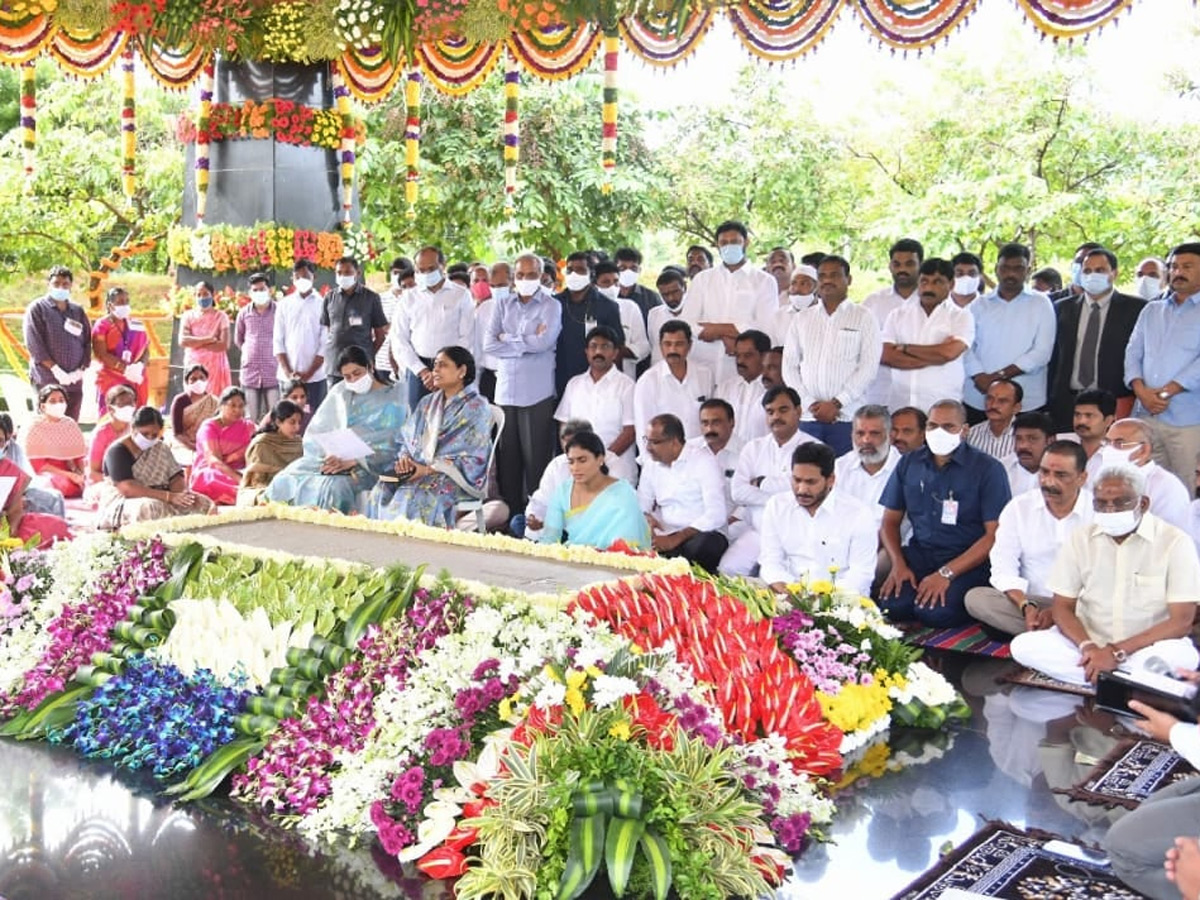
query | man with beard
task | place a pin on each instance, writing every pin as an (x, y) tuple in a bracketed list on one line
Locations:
[(672, 287), (780, 264), (745, 390), (813, 531), (772, 375), (1127, 442), (698, 259), (908, 429), (764, 469), (675, 385), (1033, 526), (603, 396), (1032, 434), (904, 263), (864, 471)]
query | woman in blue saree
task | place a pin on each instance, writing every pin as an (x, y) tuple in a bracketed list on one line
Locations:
[(372, 410), (591, 507), (443, 444)]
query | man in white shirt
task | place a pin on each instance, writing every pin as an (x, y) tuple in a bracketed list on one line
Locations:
[(500, 282), (831, 356), (436, 313), (968, 278), (994, 435), (682, 495), (1128, 442), (1125, 590), (299, 340), (814, 533), (802, 293), (673, 290), (1032, 433), (636, 346), (400, 279), (717, 420), (1033, 527), (924, 342), (728, 299), (780, 265), (603, 395), (745, 390), (904, 264), (675, 385), (863, 472), (764, 468)]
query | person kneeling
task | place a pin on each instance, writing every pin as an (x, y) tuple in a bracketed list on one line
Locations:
[(1124, 587)]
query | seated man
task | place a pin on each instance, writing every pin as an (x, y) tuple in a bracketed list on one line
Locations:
[(1033, 526), (1128, 441), (764, 468), (682, 494), (815, 533), (953, 495), (864, 471), (908, 429), (717, 436), (1032, 433), (1125, 590)]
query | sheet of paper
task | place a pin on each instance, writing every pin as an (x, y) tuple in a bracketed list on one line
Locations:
[(7, 483), (343, 443)]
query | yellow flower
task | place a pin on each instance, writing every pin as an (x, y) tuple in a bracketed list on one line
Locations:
[(576, 679), (620, 730), (856, 706), (549, 672), (821, 587), (505, 710), (593, 672)]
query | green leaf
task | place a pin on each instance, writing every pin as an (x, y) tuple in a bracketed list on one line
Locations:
[(584, 856), (620, 850), (658, 854), (47, 714), (207, 777)]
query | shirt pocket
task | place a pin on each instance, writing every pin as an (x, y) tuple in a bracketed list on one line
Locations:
[(847, 344), (1149, 592)]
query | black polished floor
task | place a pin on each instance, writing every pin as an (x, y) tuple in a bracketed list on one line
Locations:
[(75, 829)]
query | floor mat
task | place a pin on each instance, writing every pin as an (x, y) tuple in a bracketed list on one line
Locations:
[(1033, 678), (1130, 773), (965, 639)]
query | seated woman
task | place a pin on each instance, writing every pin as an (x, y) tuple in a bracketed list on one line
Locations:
[(55, 445), (142, 479), (190, 409), (275, 446), (374, 411), (39, 497), (591, 507), (22, 524), (123, 348), (297, 393), (221, 446), (442, 445), (121, 403)]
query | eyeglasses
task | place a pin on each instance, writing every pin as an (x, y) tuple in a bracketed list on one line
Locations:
[(654, 442), (1115, 505), (1120, 444)]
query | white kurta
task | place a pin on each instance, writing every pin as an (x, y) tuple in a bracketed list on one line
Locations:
[(747, 297), (799, 546), (764, 458), (829, 356), (658, 392), (607, 404), (749, 417), (911, 325)]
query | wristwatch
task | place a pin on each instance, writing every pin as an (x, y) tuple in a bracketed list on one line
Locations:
[(946, 572), (1026, 604), (1164, 395)]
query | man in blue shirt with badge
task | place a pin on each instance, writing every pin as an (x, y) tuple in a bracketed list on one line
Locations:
[(952, 495)]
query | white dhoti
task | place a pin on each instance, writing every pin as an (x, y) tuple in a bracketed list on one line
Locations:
[(1056, 655)]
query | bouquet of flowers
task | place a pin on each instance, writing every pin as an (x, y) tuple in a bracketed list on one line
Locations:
[(25, 578)]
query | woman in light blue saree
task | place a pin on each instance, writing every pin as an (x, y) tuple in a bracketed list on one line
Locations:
[(443, 444), (591, 507), (372, 410)]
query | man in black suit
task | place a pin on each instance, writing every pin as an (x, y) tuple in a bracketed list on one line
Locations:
[(1093, 329)]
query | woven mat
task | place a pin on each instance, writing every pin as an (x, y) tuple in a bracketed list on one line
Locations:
[(1129, 774), (965, 639), (1003, 861), (1033, 678)]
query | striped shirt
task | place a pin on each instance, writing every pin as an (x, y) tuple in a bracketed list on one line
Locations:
[(832, 356), (981, 438)]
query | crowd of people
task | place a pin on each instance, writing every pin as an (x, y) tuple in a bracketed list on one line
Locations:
[(1010, 452)]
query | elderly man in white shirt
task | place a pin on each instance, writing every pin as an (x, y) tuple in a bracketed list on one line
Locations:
[(802, 293), (764, 468), (676, 385), (436, 313), (1128, 441), (673, 289), (728, 299), (603, 395), (814, 532), (924, 342), (863, 472), (1125, 590), (682, 495), (831, 355), (904, 261), (745, 390), (1033, 527)]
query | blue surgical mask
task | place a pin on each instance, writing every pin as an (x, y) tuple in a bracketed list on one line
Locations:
[(1095, 282), (205, 302), (1076, 271), (501, 293), (732, 254), (60, 295)]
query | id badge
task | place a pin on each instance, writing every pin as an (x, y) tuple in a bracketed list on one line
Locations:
[(354, 321), (588, 325), (949, 512), (72, 327), (126, 357)]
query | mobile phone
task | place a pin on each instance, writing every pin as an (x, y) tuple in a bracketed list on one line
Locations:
[(1114, 690)]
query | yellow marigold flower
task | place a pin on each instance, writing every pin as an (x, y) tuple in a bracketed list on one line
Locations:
[(619, 730), (575, 701), (822, 587), (576, 679), (549, 672), (593, 672)]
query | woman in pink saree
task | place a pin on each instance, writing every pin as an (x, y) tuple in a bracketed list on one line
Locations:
[(21, 524), (221, 449), (204, 335), (122, 347)]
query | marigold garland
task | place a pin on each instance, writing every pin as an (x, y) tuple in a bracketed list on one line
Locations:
[(128, 124), (349, 137), (228, 248), (512, 132), (608, 142), (202, 124), (29, 115), (285, 121), (412, 139)]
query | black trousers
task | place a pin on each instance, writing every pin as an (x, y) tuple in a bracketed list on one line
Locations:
[(527, 445), (704, 549)]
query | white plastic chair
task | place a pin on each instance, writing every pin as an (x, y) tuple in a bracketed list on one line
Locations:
[(475, 498), (21, 399)]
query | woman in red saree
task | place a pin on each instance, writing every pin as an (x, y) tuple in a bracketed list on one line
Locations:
[(55, 445), (123, 347), (221, 449), (21, 524)]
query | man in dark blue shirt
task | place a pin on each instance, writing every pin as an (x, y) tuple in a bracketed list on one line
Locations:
[(952, 494)]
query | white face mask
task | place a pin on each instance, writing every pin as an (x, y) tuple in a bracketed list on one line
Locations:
[(527, 287), (801, 301), (122, 311), (1116, 524), (577, 281), (55, 410), (429, 280), (1111, 456), (941, 442), (966, 285), (345, 282), (611, 292), (60, 294), (260, 298), (501, 293), (1148, 286), (627, 278), (143, 442), (302, 285), (197, 387), (395, 282), (360, 386), (123, 414), (1095, 283)]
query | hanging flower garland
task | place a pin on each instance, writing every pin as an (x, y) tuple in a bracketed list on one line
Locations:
[(608, 143), (28, 115), (512, 132), (285, 121), (232, 248), (128, 124), (349, 136), (206, 96), (412, 139)]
